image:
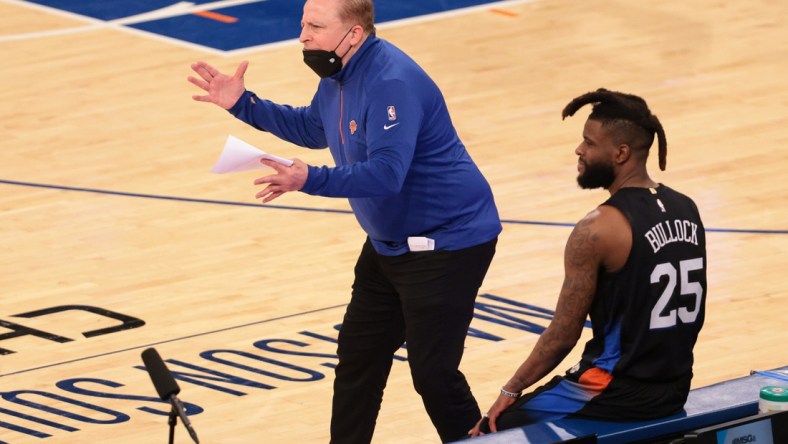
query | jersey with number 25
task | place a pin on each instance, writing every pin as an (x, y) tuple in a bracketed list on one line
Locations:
[(647, 316)]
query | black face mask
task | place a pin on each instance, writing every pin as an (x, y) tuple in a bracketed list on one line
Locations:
[(325, 63)]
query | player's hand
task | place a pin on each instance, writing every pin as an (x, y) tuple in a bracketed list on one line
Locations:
[(223, 90), (481, 427), (487, 423), (287, 178)]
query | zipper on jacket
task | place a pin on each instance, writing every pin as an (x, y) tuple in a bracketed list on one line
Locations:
[(341, 99)]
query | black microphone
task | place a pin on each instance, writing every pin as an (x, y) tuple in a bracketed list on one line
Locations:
[(166, 386), (163, 381)]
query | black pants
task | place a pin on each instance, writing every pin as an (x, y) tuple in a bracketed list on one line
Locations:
[(425, 299)]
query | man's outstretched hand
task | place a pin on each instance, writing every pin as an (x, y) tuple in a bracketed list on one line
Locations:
[(223, 90)]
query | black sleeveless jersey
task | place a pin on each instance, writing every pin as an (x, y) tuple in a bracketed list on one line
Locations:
[(647, 316)]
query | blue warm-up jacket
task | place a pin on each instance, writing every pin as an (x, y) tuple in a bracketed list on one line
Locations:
[(398, 158)]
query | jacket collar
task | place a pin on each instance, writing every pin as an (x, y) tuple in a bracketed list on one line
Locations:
[(358, 59)]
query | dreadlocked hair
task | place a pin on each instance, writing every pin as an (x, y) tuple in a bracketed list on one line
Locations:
[(628, 114)]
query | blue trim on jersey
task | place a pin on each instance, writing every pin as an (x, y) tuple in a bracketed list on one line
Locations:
[(612, 353), (565, 398)]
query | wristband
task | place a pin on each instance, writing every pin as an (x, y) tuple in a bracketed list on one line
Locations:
[(509, 394)]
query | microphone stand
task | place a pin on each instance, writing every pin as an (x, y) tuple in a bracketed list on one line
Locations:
[(167, 389), (178, 410), (172, 422)]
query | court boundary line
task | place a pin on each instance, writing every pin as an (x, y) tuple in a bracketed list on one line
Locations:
[(320, 210), (121, 24), (166, 341)]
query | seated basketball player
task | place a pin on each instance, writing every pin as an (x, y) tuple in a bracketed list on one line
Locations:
[(637, 265)]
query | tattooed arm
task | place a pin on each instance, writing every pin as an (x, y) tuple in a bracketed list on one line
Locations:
[(602, 239)]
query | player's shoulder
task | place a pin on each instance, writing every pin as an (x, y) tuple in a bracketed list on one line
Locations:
[(604, 234), (605, 226), (604, 217)]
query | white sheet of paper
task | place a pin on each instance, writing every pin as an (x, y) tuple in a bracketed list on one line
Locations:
[(238, 155)]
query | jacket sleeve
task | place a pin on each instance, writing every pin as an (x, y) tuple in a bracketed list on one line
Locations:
[(393, 120), (298, 125)]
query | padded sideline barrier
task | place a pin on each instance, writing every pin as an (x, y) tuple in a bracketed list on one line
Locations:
[(706, 406)]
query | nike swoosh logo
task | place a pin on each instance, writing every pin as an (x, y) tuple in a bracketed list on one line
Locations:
[(388, 127)]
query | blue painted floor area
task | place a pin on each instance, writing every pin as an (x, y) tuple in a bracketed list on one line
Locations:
[(257, 23), (109, 9)]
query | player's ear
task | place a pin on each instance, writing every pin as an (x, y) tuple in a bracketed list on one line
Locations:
[(623, 153)]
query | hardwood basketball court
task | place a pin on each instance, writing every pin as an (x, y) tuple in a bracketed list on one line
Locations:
[(117, 238)]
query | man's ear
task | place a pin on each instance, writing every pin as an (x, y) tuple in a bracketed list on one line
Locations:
[(623, 153), (356, 34)]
